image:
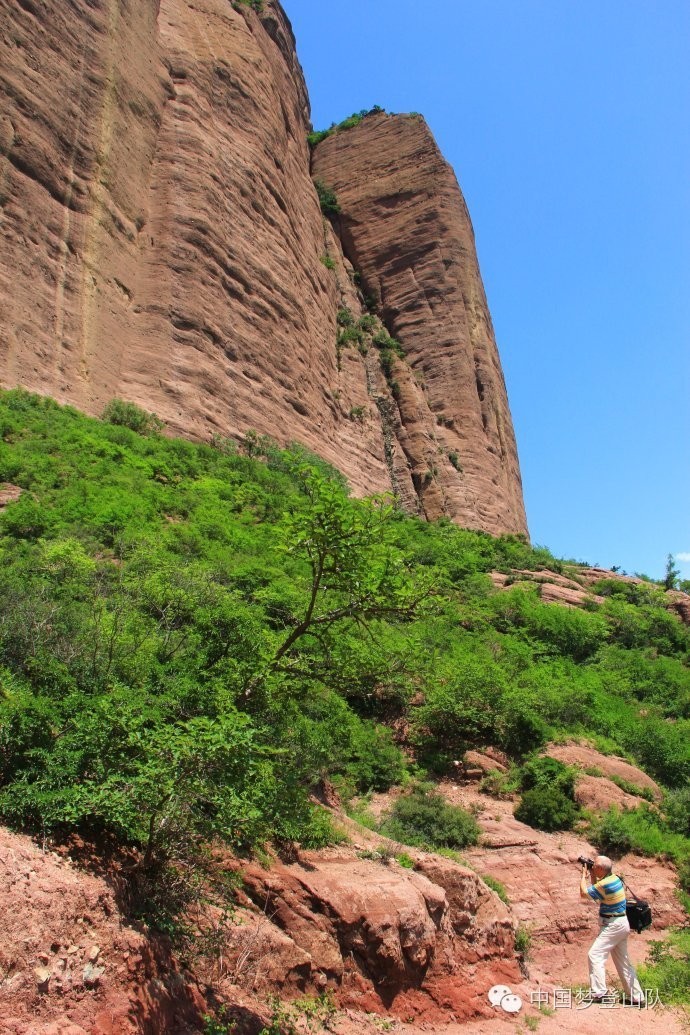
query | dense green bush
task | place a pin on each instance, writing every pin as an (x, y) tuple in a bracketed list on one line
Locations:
[(547, 808), (668, 969), (424, 818), (129, 415), (610, 834), (543, 771), (677, 809), (548, 799), (468, 703), (641, 830), (567, 631), (327, 199)]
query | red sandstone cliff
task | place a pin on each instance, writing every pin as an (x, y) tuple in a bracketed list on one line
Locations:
[(405, 226), (161, 240)]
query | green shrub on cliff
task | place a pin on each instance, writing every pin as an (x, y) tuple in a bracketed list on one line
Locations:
[(129, 415), (327, 199), (256, 5), (316, 136), (548, 798)]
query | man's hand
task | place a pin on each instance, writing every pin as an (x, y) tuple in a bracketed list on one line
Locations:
[(584, 883)]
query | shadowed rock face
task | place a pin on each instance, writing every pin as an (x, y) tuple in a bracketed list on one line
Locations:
[(405, 226), (161, 241)]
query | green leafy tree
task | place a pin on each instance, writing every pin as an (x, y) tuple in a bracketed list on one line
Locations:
[(671, 574), (355, 574)]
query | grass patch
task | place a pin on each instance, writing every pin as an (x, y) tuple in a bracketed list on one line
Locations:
[(496, 886), (500, 785), (640, 830), (523, 941), (632, 788), (668, 968), (358, 810), (405, 860)]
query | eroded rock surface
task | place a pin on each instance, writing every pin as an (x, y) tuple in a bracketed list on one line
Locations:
[(161, 240), (541, 874), (161, 236), (405, 227), (420, 942), (69, 965)]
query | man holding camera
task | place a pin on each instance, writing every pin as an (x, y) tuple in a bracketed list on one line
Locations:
[(609, 891)]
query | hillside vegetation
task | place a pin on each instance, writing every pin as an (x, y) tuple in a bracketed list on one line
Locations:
[(193, 636)]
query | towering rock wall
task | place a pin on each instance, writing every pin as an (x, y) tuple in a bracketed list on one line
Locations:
[(405, 226), (161, 241)]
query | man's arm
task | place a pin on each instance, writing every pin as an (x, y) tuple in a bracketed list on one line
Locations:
[(585, 885)]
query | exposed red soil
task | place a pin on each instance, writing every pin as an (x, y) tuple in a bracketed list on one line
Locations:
[(69, 964)]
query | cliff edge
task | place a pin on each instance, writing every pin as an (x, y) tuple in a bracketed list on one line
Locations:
[(406, 228)]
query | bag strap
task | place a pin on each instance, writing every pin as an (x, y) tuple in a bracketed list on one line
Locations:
[(628, 888)]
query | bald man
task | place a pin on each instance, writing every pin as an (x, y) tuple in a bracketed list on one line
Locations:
[(609, 891)]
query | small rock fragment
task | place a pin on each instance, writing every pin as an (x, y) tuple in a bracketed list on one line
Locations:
[(91, 975), (43, 976), (94, 952)]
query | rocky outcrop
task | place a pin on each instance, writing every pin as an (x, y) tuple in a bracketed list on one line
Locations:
[(541, 875), (576, 589), (427, 942), (552, 588), (161, 240), (583, 756), (405, 227), (680, 604)]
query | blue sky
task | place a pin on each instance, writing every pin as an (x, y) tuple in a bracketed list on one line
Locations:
[(567, 123)]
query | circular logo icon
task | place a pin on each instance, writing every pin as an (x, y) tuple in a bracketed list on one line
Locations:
[(497, 993), (511, 1003)]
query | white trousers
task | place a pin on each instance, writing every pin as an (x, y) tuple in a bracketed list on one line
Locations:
[(613, 940)]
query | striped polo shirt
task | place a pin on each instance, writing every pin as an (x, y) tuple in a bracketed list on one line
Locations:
[(609, 892)]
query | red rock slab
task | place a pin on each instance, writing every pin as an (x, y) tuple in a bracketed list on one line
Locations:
[(590, 575), (9, 493), (56, 921), (598, 793), (161, 241), (161, 236), (553, 588), (388, 938), (680, 603), (584, 756), (556, 594)]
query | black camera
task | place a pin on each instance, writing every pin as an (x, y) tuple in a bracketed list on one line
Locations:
[(589, 863)]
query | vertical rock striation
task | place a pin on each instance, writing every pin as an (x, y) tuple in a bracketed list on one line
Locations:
[(405, 227), (161, 240)]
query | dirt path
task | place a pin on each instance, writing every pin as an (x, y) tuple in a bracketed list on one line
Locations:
[(593, 1020)]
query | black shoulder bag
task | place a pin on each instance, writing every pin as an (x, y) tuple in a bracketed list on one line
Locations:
[(638, 910)]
